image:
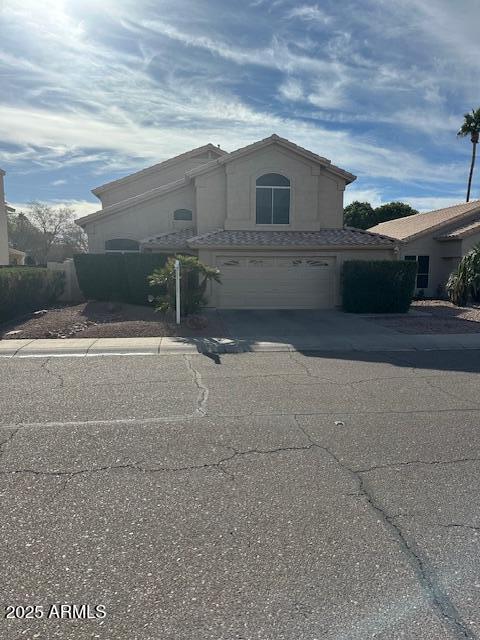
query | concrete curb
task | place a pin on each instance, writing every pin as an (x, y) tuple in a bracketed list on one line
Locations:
[(90, 347)]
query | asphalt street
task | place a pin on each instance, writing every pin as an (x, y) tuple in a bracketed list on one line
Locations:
[(272, 496)]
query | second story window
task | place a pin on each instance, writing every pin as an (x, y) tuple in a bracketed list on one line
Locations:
[(124, 245), (273, 199), (182, 214)]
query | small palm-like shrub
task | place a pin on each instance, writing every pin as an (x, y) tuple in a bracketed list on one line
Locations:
[(457, 289), (194, 277), (464, 283)]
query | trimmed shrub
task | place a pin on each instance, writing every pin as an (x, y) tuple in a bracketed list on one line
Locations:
[(378, 286), (26, 289), (117, 277), (138, 267)]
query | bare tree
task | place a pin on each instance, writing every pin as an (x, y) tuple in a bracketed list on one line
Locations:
[(76, 238), (56, 227)]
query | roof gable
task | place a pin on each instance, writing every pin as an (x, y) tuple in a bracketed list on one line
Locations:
[(159, 166), (130, 202), (420, 224), (281, 142)]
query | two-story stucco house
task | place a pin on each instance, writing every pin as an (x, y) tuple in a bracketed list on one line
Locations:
[(269, 216)]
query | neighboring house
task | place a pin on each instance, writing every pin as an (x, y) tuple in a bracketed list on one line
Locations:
[(437, 240), (16, 257), (8, 255), (269, 216), (3, 223)]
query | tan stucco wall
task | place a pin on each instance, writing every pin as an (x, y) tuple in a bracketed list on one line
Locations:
[(210, 257), (4, 259), (455, 250), (142, 183), (316, 195), (470, 242), (211, 199), (444, 257), (142, 220), (427, 246)]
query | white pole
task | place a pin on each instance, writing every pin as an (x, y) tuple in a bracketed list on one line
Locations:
[(177, 289)]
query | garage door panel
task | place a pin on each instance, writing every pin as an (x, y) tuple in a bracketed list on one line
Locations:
[(276, 282)]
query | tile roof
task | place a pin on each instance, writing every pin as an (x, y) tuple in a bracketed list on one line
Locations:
[(324, 237), (420, 223), (173, 239), (462, 231)]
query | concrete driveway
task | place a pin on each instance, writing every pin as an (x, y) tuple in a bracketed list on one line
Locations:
[(284, 324), (251, 496)]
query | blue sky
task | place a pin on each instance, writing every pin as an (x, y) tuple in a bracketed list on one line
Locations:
[(92, 90)]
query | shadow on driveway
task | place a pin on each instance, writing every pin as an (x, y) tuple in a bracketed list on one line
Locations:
[(264, 324), (342, 336)]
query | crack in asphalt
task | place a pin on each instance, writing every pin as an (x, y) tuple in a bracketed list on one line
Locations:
[(44, 366), (425, 574), (455, 525), (8, 440), (442, 525), (236, 415), (202, 397), (408, 463), (450, 394), (138, 466)]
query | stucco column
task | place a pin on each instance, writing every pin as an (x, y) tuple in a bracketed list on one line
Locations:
[(3, 223)]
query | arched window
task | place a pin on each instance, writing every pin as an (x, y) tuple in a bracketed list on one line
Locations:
[(122, 244), (273, 199), (182, 214)]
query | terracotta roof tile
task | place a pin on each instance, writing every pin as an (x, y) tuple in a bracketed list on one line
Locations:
[(174, 239), (411, 226), (324, 237), (461, 231)]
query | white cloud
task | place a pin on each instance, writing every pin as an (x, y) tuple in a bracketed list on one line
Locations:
[(57, 183), (310, 13), (291, 89), (427, 203), (228, 126), (422, 203), (121, 109), (373, 196), (80, 207)]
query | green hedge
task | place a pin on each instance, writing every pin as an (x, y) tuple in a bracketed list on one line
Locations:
[(378, 286), (118, 277), (26, 289)]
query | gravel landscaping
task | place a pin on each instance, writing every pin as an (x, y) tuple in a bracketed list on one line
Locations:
[(443, 317), (108, 320), (119, 320)]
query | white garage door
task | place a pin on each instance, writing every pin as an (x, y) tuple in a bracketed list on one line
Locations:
[(275, 282)]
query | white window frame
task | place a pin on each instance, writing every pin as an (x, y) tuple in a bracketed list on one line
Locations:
[(289, 188), (420, 255)]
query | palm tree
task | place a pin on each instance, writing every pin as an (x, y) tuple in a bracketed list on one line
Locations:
[(471, 127)]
